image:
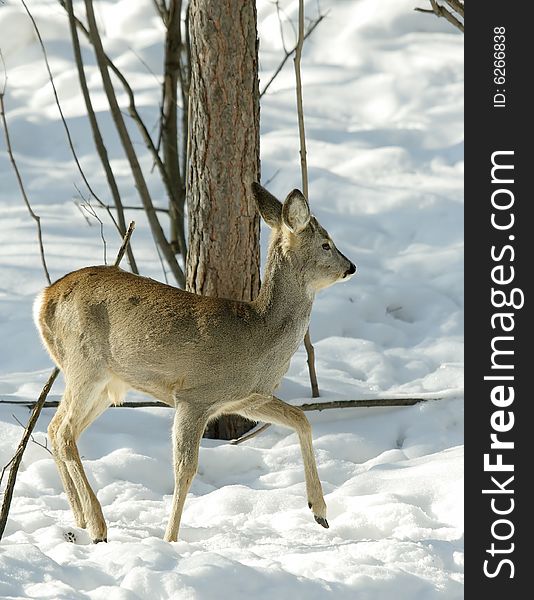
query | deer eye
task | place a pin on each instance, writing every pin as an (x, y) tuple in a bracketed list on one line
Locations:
[(326, 246)]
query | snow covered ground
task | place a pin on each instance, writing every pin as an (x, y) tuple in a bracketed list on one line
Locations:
[(383, 94)]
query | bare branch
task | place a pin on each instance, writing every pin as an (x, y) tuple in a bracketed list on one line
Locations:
[(15, 463), (32, 438), (97, 137), (51, 78), (125, 243), (456, 5), (85, 205), (310, 406), (310, 30), (157, 209), (162, 10), (133, 112), (35, 217), (140, 183), (304, 173), (441, 11)]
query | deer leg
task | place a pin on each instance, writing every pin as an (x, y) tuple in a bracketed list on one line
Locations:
[(276, 411), (68, 484), (78, 410), (188, 427)]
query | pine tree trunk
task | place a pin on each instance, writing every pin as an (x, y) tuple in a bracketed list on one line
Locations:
[(223, 254)]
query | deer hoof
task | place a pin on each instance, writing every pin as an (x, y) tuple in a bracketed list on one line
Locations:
[(322, 521)]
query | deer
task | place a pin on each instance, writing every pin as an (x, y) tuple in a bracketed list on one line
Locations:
[(109, 331)]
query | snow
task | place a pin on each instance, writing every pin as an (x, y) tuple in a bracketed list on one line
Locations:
[(383, 97)]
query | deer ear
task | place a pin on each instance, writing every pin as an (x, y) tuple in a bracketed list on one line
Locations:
[(296, 212), (270, 208)]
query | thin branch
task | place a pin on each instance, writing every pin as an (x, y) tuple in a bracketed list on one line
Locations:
[(125, 243), (140, 183), (97, 137), (32, 438), (310, 359), (162, 10), (34, 216), (304, 173), (307, 407), (456, 5), (67, 130), (10, 486), (291, 53), (162, 210), (441, 11), (132, 111), (86, 206)]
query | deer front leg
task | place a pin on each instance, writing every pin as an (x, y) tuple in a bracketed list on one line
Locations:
[(188, 427), (277, 411)]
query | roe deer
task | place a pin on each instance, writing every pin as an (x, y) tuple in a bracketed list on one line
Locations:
[(109, 330)]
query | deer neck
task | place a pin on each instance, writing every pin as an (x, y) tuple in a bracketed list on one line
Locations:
[(284, 298)]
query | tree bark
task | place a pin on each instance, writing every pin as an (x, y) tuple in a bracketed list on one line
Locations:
[(223, 254)]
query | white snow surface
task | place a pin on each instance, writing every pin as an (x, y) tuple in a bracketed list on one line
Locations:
[(383, 95)]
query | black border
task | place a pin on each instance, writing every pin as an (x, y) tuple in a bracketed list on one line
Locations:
[(489, 129)]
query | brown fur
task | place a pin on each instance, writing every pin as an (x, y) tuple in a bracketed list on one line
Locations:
[(110, 330)]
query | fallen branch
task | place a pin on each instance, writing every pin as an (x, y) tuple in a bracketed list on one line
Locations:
[(360, 403), (15, 462)]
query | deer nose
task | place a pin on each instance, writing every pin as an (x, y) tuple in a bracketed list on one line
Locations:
[(350, 271)]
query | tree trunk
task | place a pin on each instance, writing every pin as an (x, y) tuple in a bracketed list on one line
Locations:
[(223, 254)]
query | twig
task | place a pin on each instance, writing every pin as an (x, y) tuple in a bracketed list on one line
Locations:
[(290, 53), (140, 183), (67, 130), (86, 206), (268, 181), (162, 10), (304, 173), (125, 243), (441, 11), (35, 217), (97, 136), (37, 443), (10, 486), (162, 210)]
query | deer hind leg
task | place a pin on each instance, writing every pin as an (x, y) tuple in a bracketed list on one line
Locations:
[(276, 411), (80, 406), (189, 424)]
